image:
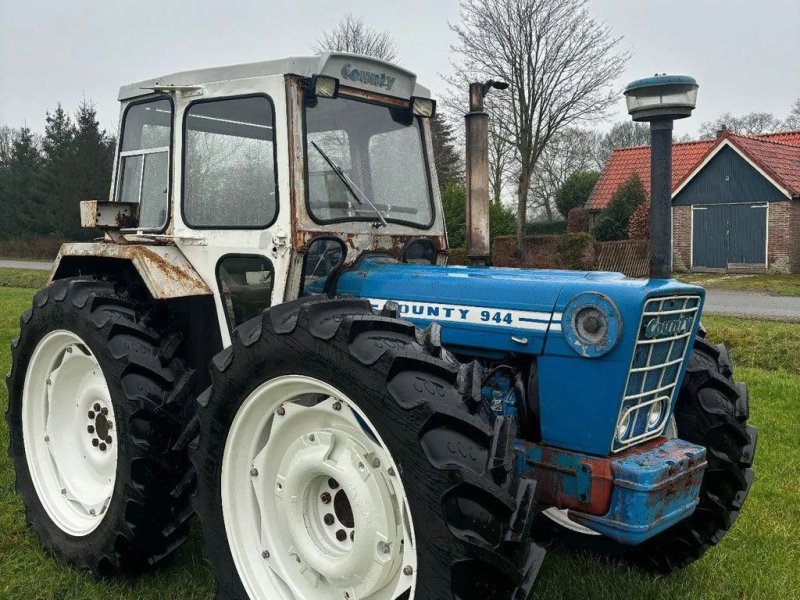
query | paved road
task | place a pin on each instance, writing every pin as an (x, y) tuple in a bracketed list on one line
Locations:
[(37, 265), (749, 304)]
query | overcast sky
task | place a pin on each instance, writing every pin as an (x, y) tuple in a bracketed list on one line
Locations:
[(743, 53)]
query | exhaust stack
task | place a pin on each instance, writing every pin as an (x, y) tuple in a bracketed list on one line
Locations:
[(477, 132)]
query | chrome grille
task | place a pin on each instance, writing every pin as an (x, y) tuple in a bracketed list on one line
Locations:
[(662, 344)]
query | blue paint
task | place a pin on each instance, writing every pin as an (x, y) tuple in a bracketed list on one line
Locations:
[(652, 492), (579, 397), (583, 346)]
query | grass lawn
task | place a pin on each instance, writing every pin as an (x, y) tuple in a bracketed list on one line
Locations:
[(760, 558), (23, 278), (774, 285)]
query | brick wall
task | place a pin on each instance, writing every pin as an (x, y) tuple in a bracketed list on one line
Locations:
[(780, 243), (681, 238), (794, 229)]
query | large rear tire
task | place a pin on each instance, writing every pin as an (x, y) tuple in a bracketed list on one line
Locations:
[(97, 400), (322, 401), (711, 411)]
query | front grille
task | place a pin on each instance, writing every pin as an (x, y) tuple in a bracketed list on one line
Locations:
[(662, 344)]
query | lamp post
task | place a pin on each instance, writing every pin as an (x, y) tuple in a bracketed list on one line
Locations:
[(660, 100)]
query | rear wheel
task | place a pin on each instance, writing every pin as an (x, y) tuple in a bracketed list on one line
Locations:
[(97, 398), (337, 460), (711, 411)]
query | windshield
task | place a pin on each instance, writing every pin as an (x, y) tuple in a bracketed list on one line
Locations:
[(379, 150)]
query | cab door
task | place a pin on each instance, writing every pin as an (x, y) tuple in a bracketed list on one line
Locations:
[(230, 175)]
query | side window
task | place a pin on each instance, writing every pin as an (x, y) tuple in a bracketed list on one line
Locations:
[(229, 164), (144, 161), (245, 284), (324, 256)]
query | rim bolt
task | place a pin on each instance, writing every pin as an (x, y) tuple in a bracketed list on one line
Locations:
[(328, 519), (102, 447), (47, 438), (391, 472), (325, 497), (408, 570), (265, 554), (92, 512), (69, 349), (376, 462), (311, 437), (361, 466), (96, 406), (64, 491), (341, 535), (90, 429), (104, 411), (110, 425), (253, 472), (108, 439), (386, 548), (90, 414), (95, 442), (337, 406), (332, 483), (281, 411), (352, 536), (49, 381)]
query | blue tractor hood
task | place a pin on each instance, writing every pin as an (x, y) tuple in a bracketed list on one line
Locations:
[(489, 311)]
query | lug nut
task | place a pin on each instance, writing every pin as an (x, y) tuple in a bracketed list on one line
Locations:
[(265, 554), (332, 483), (341, 535), (104, 411), (328, 519), (108, 439), (325, 497), (408, 571), (95, 442), (90, 429), (90, 414), (109, 424), (102, 446), (386, 548), (376, 462), (96, 407), (337, 406)]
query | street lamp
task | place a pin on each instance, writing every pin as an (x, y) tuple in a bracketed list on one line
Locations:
[(660, 100)]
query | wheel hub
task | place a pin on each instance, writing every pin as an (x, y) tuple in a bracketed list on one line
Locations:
[(67, 419), (330, 507)]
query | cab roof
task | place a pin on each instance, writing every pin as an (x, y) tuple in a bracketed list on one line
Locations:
[(353, 70)]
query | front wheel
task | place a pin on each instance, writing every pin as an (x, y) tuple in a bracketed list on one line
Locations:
[(337, 461)]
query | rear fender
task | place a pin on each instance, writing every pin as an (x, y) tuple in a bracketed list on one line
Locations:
[(164, 270)]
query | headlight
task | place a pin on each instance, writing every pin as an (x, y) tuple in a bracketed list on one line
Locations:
[(591, 324), (623, 426), (655, 414)]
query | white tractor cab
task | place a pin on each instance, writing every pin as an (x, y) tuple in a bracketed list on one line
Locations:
[(268, 336), (250, 182)]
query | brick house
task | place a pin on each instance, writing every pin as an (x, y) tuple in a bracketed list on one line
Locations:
[(735, 200)]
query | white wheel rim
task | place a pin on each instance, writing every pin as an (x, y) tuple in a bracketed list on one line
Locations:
[(66, 408), (561, 516), (289, 438)]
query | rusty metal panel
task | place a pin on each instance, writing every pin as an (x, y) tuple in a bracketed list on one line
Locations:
[(164, 269), (109, 215)]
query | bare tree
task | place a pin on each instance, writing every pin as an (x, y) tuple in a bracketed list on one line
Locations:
[(559, 62), (7, 137), (623, 134), (351, 34), (792, 122), (569, 151), (751, 123)]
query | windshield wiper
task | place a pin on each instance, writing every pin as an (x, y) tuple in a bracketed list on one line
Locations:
[(360, 196)]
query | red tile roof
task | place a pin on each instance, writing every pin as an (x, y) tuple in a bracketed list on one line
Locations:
[(777, 154), (624, 162)]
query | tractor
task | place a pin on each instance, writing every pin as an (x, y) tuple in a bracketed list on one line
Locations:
[(268, 335)]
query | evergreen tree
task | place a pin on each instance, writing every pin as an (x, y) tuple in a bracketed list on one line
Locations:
[(575, 191), (502, 220), (58, 180), (447, 159), (23, 205), (613, 225)]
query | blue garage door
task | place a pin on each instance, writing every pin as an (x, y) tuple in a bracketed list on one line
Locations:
[(728, 234)]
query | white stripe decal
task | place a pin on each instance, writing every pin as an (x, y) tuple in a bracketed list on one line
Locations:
[(476, 315)]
